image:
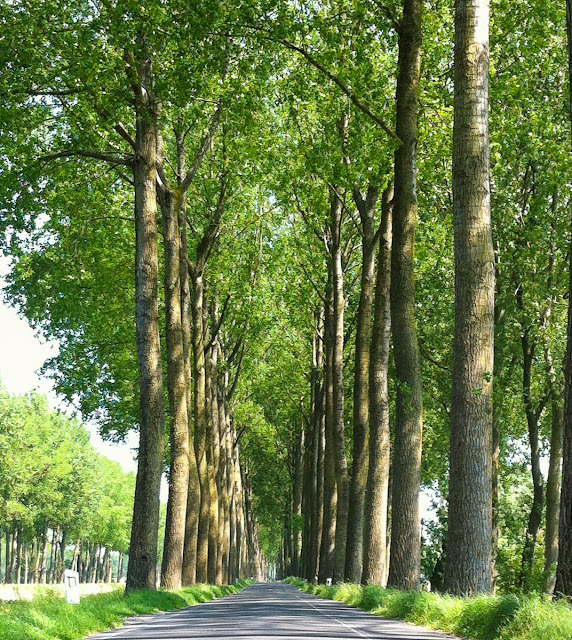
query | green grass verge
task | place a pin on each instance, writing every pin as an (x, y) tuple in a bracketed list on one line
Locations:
[(48, 617), (506, 617)]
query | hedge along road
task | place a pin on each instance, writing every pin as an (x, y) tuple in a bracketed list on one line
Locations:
[(265, 612)]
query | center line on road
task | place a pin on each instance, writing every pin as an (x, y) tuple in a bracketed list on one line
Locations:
[(356, 631)]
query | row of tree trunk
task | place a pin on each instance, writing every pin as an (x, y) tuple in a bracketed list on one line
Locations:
[(345, 531), (345, 524), (41, 559), (210, 534)]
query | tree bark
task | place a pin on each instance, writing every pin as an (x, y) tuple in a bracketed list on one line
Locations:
[(14, 568), (468, 569), (564, 570), (313, 470), (532, 420), (142, 567), (229, 508), (553, 494), (375, 559), (194, 490), (406, 528), (76, 554), (212, 457), (320, 466), (496, 437), (36, 571), (338, 388), (200, 410), (53, 556), (326, 568), (222, 568), (120, 568), (8, 557), (43, 567), (62, 556), (172, 565), (354, 550), (297, 505)]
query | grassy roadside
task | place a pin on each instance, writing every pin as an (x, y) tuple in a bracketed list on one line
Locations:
[(50, 618), (482, 618)]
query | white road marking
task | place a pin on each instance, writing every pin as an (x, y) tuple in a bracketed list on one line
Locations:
[(327, 615)]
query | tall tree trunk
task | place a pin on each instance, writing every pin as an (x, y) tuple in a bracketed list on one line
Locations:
[(109, 568), (354, 551), (297, 506), (200, 410), (212, 460), (62, 556), (338, 388), (142, 567), (307, 475), (314, 472), (564, 570), (85, 570), (327, 545), (76, 554), (19, 557), (120, 568), (172, 564), (43, 569), (404, 565), (194, 491), (229, 509), (53, 556), (26, 563), (532, 420), (553, 494), (36, 571), (94, 559), (468, 570), (14, 567), (238, 557), (8, 558), (233, 519), (500, 333), (96, 571), (375, 559), (222, 569), (221, 483), (320, 494)]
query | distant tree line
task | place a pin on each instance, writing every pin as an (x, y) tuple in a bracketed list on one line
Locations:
[(62, 505)]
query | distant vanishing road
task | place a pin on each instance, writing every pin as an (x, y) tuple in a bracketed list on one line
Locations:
[(266, 612)]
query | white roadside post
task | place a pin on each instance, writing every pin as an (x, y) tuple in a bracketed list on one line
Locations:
[(71, 581)]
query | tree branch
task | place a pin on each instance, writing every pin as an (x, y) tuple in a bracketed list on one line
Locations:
[(205, 245), (201, 153), (218, 325), (88, 154), (237, 374), (344, 88)]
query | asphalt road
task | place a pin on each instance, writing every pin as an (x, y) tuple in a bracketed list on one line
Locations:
[(265, 612)]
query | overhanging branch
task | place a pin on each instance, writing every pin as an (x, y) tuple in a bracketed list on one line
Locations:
[(105, 157)]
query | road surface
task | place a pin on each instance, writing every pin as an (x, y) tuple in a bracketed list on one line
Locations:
[(268, 612)]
